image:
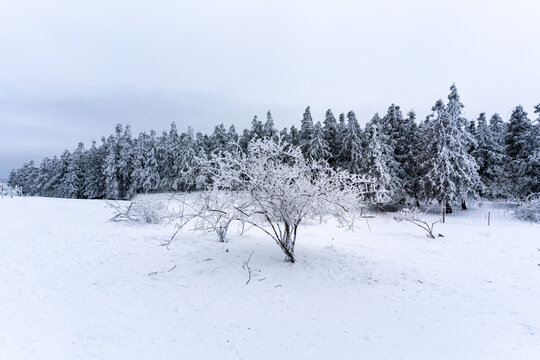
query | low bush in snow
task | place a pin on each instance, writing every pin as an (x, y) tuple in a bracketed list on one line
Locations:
[(529, 211), (416, 217), (274, 188), (148, 211)]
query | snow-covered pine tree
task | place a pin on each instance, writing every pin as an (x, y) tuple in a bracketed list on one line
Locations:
[(244, 140), (535, 157), (341, 129), (497, 127), (218, 138), (488, 154), (73, 180), (146, 169), (169, 153), (449, 172), (377, 156), (294, 136), (68, 182), (318, 148), (191, 149), (25, 178), (269, 131), (44, 175), (306, 131), (351, 150), (520, 143), (256, 129), (94, 179), (125, 164), (232, 139), (395, 134), (472, 130), (110, 165), (54, 182), (330, 132), (285, 136), (409, 149)]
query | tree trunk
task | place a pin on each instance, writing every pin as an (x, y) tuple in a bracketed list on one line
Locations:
[(463, 205), (287, 243), (448, 208)]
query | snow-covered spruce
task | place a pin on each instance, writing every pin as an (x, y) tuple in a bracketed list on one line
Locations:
[(448, 172), (507, 156), (6, 190)]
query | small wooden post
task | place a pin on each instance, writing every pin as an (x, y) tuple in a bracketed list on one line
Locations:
[(489, 217), (443, 211)]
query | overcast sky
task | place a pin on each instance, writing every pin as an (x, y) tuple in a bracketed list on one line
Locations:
[(70, 70)]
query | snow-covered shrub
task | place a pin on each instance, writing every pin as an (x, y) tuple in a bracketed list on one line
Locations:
[(151, 212), (416, 217), (529, 211), (148, 211), (6, 190), (275, 189), (215, 211)]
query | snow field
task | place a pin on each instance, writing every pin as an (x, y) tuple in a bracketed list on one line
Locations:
[(74, 285)]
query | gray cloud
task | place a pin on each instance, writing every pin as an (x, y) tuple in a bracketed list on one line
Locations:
[(71, 69)]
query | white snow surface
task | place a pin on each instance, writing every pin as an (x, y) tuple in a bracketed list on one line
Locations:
[(74, 285)]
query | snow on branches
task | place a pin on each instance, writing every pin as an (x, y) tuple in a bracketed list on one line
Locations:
[(6, 190), (275, 188)]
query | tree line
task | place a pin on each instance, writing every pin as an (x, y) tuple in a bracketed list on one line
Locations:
[(445, 157)]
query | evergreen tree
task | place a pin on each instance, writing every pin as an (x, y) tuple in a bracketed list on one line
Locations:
[(351, 151), (284, 136), (68, 182), (167, 156), (244, 140), (408, 151), (294, 136), (75, 173), (395, 132), (342, 153), (269, 131), (330, 135), (232, 139), (376, 157), (191, 149), (25, 178), (489, 156), (306, 131), (125, 164), (472, 130), (94, 179), (112, 187), (256, 129), (497, 128), (118, 165), (449, 171), (520, 142), (318, 148), (219, 138), (146, 169)]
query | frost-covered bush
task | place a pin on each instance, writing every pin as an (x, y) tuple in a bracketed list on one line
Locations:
[(529, 211), (6, 190), (275, 188), (416, 217), (151, 212), (148, 211), (211, 211)]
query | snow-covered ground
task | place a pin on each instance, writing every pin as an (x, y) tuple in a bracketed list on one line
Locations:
[(74, 285)]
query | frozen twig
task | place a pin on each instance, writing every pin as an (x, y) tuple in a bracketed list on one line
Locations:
[(245, 265)]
